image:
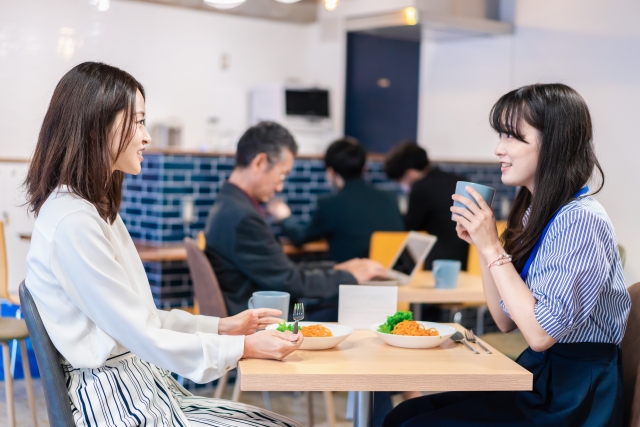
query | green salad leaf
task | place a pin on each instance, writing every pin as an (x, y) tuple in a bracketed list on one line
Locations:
[(284, 327), (392, 321)]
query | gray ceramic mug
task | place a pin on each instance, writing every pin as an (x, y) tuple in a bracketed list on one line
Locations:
[(486, 192), (271, 299)]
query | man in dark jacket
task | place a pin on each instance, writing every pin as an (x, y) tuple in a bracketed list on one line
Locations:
[(243, 250), (429, 200), (349, 217)]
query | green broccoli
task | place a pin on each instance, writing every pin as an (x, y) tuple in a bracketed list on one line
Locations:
[(284, 327), (392, 321)]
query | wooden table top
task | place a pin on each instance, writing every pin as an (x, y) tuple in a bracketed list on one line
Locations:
[(179, 252), (364, 363), (421, 290)]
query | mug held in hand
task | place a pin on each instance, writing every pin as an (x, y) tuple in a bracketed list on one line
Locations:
[(486, 192)]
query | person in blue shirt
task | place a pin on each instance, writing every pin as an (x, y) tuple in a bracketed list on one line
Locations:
[(555, 274)]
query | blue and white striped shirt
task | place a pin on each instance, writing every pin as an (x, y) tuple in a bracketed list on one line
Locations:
[(577, 277)]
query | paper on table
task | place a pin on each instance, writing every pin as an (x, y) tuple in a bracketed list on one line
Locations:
[(362, 306)]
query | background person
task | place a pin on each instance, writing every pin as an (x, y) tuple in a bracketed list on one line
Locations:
[(555, 274), (349, 217), (91, 288), (430, 192), (241, 246)]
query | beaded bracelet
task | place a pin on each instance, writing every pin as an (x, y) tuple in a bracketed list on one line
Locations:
[(502, 259)]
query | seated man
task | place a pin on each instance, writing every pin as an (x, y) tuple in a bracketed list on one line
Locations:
[(347, 218), (242, 248), (429, 200)]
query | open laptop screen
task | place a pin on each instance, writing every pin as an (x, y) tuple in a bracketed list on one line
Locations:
[(413, 251)]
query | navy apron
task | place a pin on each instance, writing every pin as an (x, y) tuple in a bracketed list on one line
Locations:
[(574, 384)]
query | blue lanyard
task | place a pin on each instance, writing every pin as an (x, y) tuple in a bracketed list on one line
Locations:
[(534, 251)]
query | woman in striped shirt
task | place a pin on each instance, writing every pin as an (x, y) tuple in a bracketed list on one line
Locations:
[(555, 274), (90, 286)]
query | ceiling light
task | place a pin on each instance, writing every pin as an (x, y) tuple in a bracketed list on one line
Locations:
[(288, 1), (223, 4), (330, 4), (410, 15)]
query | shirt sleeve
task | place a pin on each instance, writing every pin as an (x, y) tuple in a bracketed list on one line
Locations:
[(85, 263), (570, 273), (182, 321), (262, 260), (316, 229)]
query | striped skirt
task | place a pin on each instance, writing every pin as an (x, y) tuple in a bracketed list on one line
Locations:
[(127, 391)]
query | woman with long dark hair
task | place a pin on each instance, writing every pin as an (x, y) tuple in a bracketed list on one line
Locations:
[(555, 274), (91, 289)]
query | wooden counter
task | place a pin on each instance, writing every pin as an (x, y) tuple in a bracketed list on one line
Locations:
[(179, 252)]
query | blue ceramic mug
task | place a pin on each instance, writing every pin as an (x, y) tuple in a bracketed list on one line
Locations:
[(486, 192), (445, 273)]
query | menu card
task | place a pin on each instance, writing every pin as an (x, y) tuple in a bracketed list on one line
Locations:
[(362, 306)]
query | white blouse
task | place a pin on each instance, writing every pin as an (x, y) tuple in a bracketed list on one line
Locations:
[(94, 298)]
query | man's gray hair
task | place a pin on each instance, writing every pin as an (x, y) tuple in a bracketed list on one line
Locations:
[(265, 137)]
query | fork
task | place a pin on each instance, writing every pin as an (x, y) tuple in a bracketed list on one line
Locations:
[(298, 314), (459, 338), (471, 337)]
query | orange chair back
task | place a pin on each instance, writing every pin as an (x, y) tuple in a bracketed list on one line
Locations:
[(473, 260), (384, 245)]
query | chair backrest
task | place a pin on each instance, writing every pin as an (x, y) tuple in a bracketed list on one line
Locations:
[(4, 266), (623, 254), (631, 361), (205, 283), (384, 245), (55, 388), (473, 260)]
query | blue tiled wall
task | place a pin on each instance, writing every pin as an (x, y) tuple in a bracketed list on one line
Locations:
[(152, 204)]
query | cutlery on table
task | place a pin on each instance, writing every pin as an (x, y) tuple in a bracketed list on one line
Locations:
[(298, 314), (471, 337), (459, 338)]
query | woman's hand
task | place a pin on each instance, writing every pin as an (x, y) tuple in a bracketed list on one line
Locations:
[(247, 322), (271, 344), (477, 225)]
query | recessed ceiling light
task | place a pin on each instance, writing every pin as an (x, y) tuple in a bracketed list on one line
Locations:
[(330, 4), (223, 4)]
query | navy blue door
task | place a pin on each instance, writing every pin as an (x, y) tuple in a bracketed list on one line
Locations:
[(382, 90)]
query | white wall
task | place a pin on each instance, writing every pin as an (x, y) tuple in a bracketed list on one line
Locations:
[(592, 46), (175, 53), (15, 219)]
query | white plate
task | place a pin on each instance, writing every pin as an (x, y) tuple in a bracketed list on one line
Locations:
[(416, 342), (340, 333)]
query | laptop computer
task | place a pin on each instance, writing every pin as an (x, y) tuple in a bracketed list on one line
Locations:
[(408, 260)]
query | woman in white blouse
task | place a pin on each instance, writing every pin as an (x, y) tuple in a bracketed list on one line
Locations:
[(90, 286)]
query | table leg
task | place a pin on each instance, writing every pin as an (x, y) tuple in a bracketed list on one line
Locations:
[(416, 308), (364, 409)]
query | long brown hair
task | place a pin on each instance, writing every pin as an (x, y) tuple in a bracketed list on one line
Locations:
[(74, 145), (566, 159)]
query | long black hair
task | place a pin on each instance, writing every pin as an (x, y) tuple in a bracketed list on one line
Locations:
[(566, 160), (74, 147)]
